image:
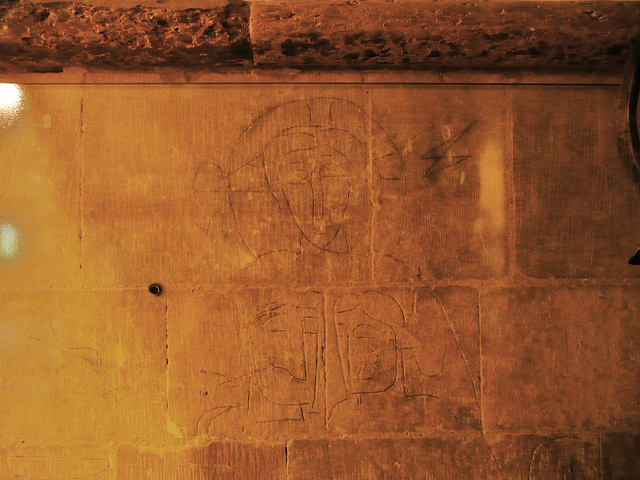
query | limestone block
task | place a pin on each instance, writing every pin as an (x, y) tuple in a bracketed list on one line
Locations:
[(569, 356), (141, 211), (82, 366), (57, 462), (575, 197), (531, 457), (455, 146), (386, 458), (301, 188), (621, 456), (216, 460), (246, 363), (402, 360), (39, 185)]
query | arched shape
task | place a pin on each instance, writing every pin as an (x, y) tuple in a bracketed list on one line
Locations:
[(628, 135)]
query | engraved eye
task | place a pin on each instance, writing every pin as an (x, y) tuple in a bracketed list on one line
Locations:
[(300, 175)]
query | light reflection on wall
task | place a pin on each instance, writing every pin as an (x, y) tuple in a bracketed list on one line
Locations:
[(9, 241), (11, 97), (490, 223), (11, 100)]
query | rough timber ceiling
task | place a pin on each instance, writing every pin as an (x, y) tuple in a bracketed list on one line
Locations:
[(347, 34)]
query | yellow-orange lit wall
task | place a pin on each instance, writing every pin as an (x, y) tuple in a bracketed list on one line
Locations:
[(367, 281)]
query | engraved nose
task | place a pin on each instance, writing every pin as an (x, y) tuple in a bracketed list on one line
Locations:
[(317, 205)]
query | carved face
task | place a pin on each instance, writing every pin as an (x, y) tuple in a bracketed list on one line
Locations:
[(367, 341), (427, 346), (310, 177), (284, 340)]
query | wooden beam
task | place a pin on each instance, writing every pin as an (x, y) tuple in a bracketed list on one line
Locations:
[(450, 34), (52, 36), (344, 35)]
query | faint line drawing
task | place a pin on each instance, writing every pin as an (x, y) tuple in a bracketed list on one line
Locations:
[(566, 457), (440, 156), (302, 176), (6, 183), (284, 341), (98, 384), (57, 468), (444, 169), (367, 327), (282, 352), (381, 352)]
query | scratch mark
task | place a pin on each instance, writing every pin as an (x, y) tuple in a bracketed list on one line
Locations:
[(81, 182), (166, 351), (13, 169), (97, 361), (445, 147), (457, 340), (53, 330), (24, 472)]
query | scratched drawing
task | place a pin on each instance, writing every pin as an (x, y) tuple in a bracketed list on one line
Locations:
[(284, 341), (283, 336), (444, 236), (6, 174), (367, 327), (563, 458), (304, 178), (96, 381), (396, 365), (88, 377), (445, 151), (57, 467)]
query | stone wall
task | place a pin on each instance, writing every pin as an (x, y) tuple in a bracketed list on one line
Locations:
[(359, 280)]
